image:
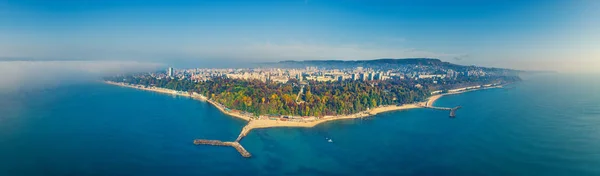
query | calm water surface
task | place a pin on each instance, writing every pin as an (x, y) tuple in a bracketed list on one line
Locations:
[(543, 126)]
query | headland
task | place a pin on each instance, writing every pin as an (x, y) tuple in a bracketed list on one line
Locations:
[(263, 122)]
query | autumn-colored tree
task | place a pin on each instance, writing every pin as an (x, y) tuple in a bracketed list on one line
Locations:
[(320, 98)]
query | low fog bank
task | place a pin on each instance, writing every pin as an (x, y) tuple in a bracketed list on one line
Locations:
[(29, 75)]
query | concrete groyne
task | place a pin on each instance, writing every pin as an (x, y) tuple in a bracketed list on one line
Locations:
[(452, 110), (235, 145), (243, 133)]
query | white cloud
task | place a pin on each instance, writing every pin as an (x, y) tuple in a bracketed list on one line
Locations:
[(17, 75)]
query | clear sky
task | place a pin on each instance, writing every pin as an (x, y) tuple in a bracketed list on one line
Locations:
[(540, 35)]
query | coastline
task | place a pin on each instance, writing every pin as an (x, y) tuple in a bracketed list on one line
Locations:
[(254, 123), (433, 98), (267, 123), (179, 93)]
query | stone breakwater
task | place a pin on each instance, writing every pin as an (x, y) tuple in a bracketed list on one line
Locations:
[(235, 145)]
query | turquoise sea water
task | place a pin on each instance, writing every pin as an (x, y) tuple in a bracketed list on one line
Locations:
[(543, 126)]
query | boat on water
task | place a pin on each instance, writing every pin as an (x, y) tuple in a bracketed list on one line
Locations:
[(329, 140)]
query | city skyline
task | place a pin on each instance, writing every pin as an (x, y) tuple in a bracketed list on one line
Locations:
[(533, 35)]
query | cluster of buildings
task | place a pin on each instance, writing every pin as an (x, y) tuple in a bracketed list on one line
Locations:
[(283, 75)]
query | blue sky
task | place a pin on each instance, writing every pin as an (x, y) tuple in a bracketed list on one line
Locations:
[(541, 35)]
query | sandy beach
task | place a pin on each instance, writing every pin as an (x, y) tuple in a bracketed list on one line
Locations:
[(308, 124), (432, 99), (263, 123)]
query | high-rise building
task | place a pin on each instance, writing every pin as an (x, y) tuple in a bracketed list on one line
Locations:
[(299, 76), (378, 76), (170, 72), (451, 73)]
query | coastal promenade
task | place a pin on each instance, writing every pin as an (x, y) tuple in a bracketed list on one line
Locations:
[(254, 123)]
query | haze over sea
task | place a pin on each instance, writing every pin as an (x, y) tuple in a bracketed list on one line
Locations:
[(545, 125)]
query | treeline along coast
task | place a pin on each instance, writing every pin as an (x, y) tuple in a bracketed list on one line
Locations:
[(271, 97)]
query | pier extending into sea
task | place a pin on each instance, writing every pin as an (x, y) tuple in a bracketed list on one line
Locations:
[(235, 145), (452, 110)]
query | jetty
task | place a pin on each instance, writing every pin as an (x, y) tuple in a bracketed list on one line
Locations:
[(243, 133), (452, 110), (235, 145)]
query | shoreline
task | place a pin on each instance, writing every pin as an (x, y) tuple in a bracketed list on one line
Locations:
[(254, 123), (269, 123), (433, 98), (194, 95)]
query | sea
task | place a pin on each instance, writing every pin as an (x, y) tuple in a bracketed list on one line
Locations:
[(544, 125)]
